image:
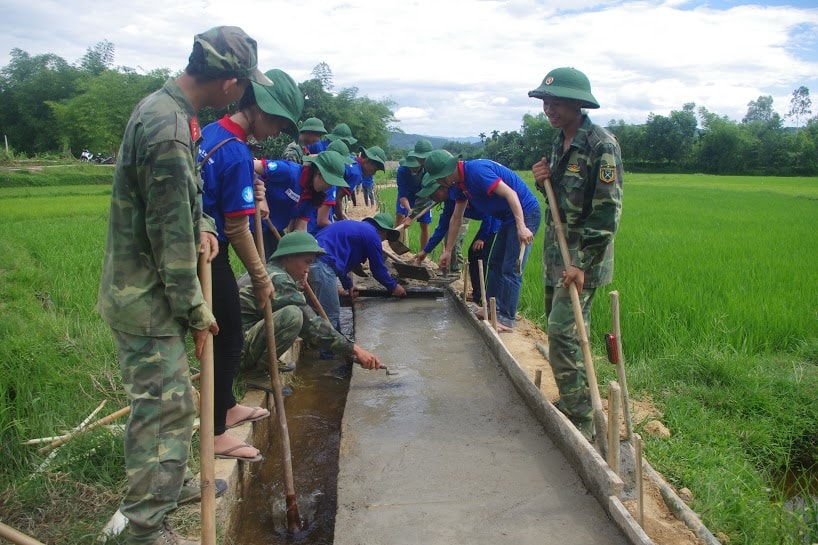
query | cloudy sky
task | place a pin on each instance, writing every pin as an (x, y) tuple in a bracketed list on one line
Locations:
[(460, 67)]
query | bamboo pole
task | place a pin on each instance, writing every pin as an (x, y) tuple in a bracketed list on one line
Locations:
[(314, 299), (493, 313), (640, 491), (538, 378), (482, 288), (596, 401), (293, 517), (15, 536), (620, 364), (614, 412), (206, 417), (466, 281)]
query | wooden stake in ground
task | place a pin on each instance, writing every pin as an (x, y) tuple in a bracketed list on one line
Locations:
[(293, 517), (466, 281), (482, 288), (620, 364), (596, 401), (206, 411)]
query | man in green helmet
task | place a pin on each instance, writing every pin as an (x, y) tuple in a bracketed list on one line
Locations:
[(292, 316), (310, 132), (585, 171)]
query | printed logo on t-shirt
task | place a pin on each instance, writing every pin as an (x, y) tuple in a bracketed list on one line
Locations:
[(272, 166), (293, 195), (247, 194)]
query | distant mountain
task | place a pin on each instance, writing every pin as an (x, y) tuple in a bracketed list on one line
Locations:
[(405, 141)]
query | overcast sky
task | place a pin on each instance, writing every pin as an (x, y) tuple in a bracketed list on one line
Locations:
[(460, 67)]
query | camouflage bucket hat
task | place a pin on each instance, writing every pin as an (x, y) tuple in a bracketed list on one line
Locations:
[(409, 161), (343, 132), (227, 52), (566, 83), (281, 98), (421, 150), (340, 147), (313, 124), (297, 242), (385, 221), (331, 166), (375, 154), (439, 164)]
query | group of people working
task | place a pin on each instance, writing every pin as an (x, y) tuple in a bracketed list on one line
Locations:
[(181, 191)]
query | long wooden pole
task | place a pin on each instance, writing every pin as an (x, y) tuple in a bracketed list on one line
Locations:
[(15, 536), (596, 401), (483, 289), (206, 412), (293, 517)]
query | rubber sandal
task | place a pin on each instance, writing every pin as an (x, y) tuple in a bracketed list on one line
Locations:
[(257, 414), (226, 454)]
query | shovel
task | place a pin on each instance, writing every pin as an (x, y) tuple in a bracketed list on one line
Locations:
[(399, 247), (407, 270)]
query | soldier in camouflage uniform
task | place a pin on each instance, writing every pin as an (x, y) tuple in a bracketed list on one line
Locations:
[(309, 133), (586, 175), (149, 293), (292, 316)]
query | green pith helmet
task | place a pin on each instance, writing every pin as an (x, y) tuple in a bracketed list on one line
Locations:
[(282, 98), (409, 161), (428, 188), (340, 147), (341, 131), (421, 150), (385, 221), (297, 242), (226, 52), (331, 166), (566, 83), (376, 155), (313, 124), (439, 164)]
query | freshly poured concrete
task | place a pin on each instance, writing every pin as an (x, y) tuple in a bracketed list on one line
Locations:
[(446, 452)]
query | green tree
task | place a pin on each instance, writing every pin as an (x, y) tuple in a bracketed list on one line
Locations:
[(800, 105), (98, 59), (538, 134), (323, 73), (723, 147), (26, 83), (761, 110), (96, 117)]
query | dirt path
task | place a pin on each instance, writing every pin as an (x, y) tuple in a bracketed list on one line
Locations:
[(660, 523)]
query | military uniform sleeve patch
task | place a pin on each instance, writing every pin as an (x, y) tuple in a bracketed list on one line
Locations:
[(607, 173)]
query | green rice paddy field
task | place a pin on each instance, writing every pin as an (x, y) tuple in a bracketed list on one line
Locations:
[(719, 298)]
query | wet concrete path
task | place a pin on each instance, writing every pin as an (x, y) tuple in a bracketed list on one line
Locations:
[(447, 452)]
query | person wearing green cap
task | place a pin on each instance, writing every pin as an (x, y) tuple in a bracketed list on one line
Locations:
[(294, 191), (341, 131), (309, 133), (149, 292), (228, 175), (292, 316), (348, 244), (586, 174), (365, 165), (497, 191), (408, 179)]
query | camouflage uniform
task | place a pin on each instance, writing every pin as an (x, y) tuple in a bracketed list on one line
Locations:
[(294, 152), (150, 295), (587, 183), (292, 318)]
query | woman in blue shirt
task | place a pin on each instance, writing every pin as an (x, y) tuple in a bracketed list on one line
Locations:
[(228, 197)]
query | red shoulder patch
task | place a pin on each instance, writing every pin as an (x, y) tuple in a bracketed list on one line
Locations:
[(195, 131)]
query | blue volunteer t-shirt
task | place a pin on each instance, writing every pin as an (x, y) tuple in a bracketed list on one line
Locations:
[(284, 188), (349, 243), (319, 146), (478, 180), (228, 174), (353, 175), (488, 224), (310, 213)]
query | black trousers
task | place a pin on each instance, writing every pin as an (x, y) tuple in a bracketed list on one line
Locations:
[(228, 343)]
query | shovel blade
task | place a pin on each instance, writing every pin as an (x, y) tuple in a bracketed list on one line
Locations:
[(398, 247), (415, 272)]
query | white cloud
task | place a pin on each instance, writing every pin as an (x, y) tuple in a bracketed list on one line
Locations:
[(461, 67)]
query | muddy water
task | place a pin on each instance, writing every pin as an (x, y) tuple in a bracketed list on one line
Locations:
[(314, 413)]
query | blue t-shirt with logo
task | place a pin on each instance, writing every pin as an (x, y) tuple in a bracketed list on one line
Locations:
[(228, 174), (283, 180), (478, 180)]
